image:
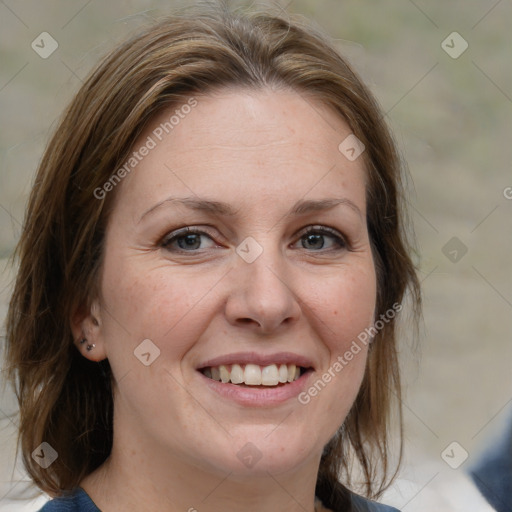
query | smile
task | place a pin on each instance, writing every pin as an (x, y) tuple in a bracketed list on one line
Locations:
[(254, 379), (253, 374)]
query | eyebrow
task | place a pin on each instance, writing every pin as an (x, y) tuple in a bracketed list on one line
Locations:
[(219, 208)]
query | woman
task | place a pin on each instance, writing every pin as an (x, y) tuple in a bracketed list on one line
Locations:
[(211, 268)]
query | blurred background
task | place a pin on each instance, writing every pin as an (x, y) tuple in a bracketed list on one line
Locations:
[(443, 75)]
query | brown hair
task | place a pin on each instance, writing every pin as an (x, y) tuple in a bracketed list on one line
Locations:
[(65, 399)]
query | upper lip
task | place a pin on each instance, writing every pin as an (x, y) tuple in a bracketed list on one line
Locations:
[(259, 359)]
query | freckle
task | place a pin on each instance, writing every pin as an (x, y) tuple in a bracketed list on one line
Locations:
[(335, 312)]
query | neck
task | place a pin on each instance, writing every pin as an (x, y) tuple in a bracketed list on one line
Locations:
[(138, 476)]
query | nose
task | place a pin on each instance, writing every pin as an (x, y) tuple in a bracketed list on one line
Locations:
[(262, 296)]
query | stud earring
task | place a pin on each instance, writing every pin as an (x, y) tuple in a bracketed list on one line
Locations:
[(90, 347), (82, 341)]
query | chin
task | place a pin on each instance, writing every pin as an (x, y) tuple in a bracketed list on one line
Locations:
[(257, 454)]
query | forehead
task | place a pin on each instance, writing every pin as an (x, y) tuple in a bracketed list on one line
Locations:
[(244, 146)]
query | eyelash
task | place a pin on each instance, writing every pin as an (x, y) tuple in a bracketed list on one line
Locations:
[(317, 230)]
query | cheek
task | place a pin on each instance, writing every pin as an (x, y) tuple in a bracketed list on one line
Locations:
[(347, 310), (349, 306), (153, 302)]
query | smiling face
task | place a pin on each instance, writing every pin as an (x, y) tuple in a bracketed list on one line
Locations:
[(249, 285)]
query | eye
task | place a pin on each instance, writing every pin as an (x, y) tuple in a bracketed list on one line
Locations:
[(186, 239), (314, 238), (190, 240)]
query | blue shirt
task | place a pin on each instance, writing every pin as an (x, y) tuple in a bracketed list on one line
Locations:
[(79, 501), (492, 474)]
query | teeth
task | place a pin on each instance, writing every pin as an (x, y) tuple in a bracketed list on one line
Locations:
[(237, 374), (224, 374), (270, 375), (253, 374), (283, 373), (291, 372)]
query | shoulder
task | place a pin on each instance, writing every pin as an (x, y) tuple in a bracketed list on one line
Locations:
[(77, 501), (338, 498), (355, 503), (492, 473), (360, 504)]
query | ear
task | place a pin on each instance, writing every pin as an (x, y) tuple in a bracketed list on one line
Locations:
[(87, 330)]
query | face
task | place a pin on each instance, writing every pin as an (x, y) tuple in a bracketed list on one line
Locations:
[(265, 278)]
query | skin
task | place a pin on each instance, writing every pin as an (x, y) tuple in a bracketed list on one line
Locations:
[(176, 441)]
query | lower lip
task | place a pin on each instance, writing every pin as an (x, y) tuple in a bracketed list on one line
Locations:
[(261, 396)]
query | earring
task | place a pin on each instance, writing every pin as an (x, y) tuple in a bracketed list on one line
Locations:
[(82, 341), (90, 347)]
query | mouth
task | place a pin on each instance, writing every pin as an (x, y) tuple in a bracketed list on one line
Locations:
[(255, 376), (254, 379)]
